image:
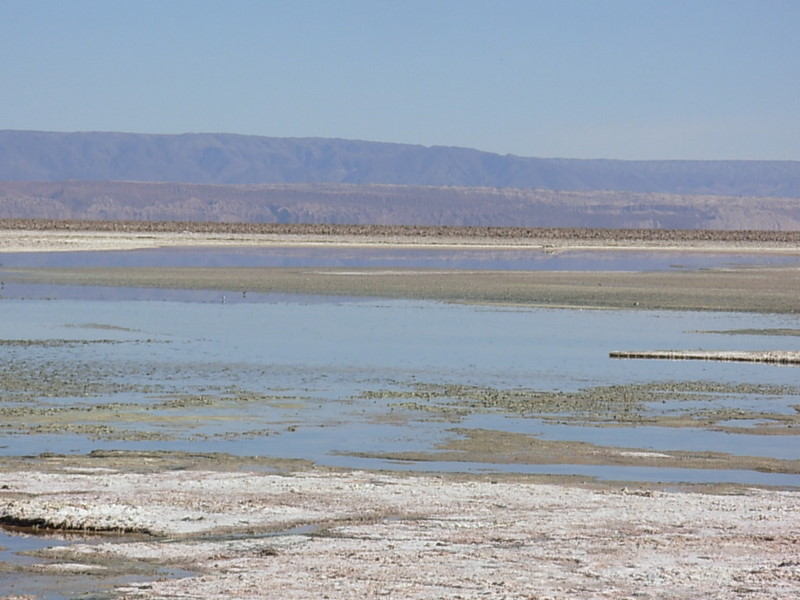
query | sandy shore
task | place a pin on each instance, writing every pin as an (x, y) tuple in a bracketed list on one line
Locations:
[(315, 534)]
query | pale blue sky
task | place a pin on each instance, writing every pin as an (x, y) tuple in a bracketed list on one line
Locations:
[(633, 79)]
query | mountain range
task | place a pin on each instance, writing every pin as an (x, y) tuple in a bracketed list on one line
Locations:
[(237, 177)]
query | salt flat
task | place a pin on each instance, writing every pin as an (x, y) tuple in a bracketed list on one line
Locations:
[(359, 534)]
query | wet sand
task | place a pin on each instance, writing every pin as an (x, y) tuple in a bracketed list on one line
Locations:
[(266, 529)]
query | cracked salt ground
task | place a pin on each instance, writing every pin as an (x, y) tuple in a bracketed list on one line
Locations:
[(425, 537)]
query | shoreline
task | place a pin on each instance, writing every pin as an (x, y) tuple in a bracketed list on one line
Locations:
[(212, 526), (56, 236)]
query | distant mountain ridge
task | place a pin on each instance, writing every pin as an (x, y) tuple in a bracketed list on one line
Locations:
[(240, 159)]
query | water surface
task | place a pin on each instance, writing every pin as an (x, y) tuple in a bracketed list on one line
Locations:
[(296, 378), (511, 259)]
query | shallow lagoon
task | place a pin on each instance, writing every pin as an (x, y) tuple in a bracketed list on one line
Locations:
[(296, 377), (496, 258)]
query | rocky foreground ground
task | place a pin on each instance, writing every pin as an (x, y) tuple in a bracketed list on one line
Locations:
[(315, 534)]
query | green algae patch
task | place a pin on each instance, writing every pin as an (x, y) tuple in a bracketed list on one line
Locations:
[(150, 461), (707, 405), (504, 447)]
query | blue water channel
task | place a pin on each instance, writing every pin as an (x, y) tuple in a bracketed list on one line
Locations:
[(314, 361)]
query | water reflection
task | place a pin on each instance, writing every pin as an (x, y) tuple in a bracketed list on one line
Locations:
[(445, 258)]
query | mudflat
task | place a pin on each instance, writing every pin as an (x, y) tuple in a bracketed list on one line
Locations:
[(769, 289), (214, 526), (772, 290)]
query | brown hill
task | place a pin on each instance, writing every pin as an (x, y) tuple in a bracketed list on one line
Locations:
[(373, 204)]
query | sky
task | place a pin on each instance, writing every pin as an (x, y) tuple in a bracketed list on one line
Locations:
[(626, 79)]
